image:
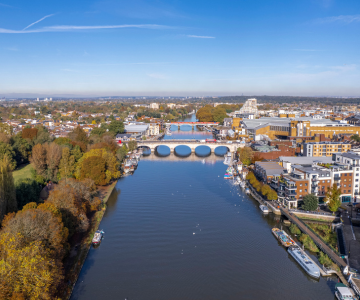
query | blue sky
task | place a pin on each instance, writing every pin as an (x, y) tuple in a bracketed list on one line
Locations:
[(139, 47)]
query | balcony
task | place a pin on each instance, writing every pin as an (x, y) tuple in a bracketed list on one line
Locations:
[(314, 179), (337, 178), (290, 187)]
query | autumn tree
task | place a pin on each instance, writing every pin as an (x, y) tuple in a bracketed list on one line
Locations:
[(53, 156), (79, 135), (332, 198), (38, 159), (246, 154), (219, 114), (72, 211), (204, 114), (7, 189), (111, 166), (94, 167), (265, 189), (29, 133), (272, 195)]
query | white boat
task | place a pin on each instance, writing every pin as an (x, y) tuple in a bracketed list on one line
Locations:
[(97, 237), (342, 292), (264, 209), (242, 184), (247, 191), (238, 179), (304, 261)]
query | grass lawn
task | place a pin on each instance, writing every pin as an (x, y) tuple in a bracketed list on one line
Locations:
[(22, 172)]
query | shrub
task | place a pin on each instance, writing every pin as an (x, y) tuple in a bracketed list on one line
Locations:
[(294, 229)]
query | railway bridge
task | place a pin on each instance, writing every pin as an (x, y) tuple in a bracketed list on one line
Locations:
[(192, 144)]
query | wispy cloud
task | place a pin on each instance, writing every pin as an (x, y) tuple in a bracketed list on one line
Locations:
[(347, 19), (69, 28), (5, 5), (200, 36), (11, 48), (157, 76), (38, 21)]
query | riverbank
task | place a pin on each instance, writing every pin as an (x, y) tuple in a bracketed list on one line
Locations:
[(79, 251)]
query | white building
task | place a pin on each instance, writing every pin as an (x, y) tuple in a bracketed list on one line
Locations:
[(154, 106), (249, 107), (153, 129)]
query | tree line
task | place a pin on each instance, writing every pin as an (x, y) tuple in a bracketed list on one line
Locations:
[(35, 234)]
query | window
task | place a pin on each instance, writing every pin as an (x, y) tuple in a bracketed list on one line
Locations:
[(357, 174), (323, 181), (349, 185), (328, 181), (349, 191), (345, 180), (344, 185), (305, 190), (357, 180), (305, 184), (346, 174), (300, 191), (300, 184)]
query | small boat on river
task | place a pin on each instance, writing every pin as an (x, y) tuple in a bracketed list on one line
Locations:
[(97, 237), (342, 292), (228, 176), (282, 236), (242, 185), (247, 191), (264, 209), (304, 261)]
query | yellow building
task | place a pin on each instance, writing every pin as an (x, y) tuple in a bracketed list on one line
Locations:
[(324, 148)]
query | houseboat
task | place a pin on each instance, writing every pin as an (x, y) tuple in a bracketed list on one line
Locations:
[(282, 236), (97, 237), (342, 292), (304, 261)]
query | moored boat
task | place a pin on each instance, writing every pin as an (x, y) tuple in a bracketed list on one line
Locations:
[(264, 209), (242, 184), (282, 236), (342, 292), (304, 261), (228, 176), (247, 191), (97, 237)]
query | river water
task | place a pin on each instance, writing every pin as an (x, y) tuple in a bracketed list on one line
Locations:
[(177, 230)]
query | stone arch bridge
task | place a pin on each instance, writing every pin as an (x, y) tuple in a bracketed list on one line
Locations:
[(192, 144)]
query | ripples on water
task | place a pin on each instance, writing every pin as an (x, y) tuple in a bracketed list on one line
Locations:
[(177, 230)]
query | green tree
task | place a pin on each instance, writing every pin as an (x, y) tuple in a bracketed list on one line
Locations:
[(27, 190), (67, 164), (121, 153), (132, 145), (7, 189), (311, 202), (116, 127), (98, 131), (332, 198), (76, 152), (272, 195), (7, 150)]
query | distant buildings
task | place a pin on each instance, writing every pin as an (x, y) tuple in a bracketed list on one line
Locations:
[(249, 107), (154, 105)]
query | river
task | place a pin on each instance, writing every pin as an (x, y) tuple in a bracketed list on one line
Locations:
[(177, 230)]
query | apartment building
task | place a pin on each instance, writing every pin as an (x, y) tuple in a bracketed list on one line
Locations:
[(316, 149), (154, 129)]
